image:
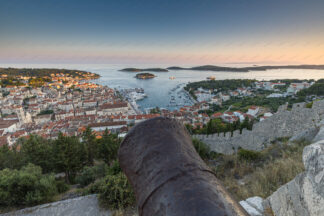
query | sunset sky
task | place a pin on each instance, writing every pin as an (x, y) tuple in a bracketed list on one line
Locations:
[(162, 31)]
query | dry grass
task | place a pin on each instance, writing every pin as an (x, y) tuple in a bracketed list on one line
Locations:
[(268, 212), (264, 181), (276, 166)]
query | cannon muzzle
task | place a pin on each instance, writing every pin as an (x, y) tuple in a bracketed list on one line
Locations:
[(168, 176)]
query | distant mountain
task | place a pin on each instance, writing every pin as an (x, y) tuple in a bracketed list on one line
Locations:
[(260, 68), (210, 68), (247, 69), (145, 69)]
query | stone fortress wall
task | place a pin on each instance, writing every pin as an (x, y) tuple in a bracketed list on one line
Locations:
[(285, 123)]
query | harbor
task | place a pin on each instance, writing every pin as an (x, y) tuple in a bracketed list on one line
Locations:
[(132, 95), (177, 98)]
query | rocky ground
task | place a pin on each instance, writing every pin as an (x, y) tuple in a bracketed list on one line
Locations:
[(86, 205), (303, 196)]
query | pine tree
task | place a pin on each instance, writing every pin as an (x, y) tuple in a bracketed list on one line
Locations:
[(89, 141), (108, 147), (38, 151), (70, 156)]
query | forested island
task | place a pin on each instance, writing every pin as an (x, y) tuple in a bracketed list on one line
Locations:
[(146, 69), (248, 69), (144, 76), (227, 69), (46, 72)]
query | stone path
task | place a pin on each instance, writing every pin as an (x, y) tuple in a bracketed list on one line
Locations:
[(86, 205)]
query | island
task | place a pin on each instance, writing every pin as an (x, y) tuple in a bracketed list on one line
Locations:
[(247, 69), (39, 77), (47, 72), (226, 69), (145, 69), (144, 76)]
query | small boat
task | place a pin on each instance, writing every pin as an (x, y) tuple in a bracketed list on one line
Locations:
[(211, 78), (171, 77)]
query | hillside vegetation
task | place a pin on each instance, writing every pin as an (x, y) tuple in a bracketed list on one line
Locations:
[(249, 173), (219, 85), (316, 89), (27, 170), (41, 72)]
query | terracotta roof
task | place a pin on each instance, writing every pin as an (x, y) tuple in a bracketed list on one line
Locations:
[(229, 113), (215, 115), (7, 123), (103, 124), (18, 134), (131, 117), (115, 105)]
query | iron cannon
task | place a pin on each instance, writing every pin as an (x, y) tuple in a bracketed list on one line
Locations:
[(168, 176)]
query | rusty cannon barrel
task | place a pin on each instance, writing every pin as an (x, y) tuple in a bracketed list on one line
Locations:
[(168, 176)]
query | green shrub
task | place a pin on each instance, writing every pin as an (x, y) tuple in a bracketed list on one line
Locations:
[(61, 186), (90, 174), (202, 149), (309, 105), (93, 188), (26, 186), (116, 192), (86, 176), (115, 168), (248, 155), (101, 170)]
